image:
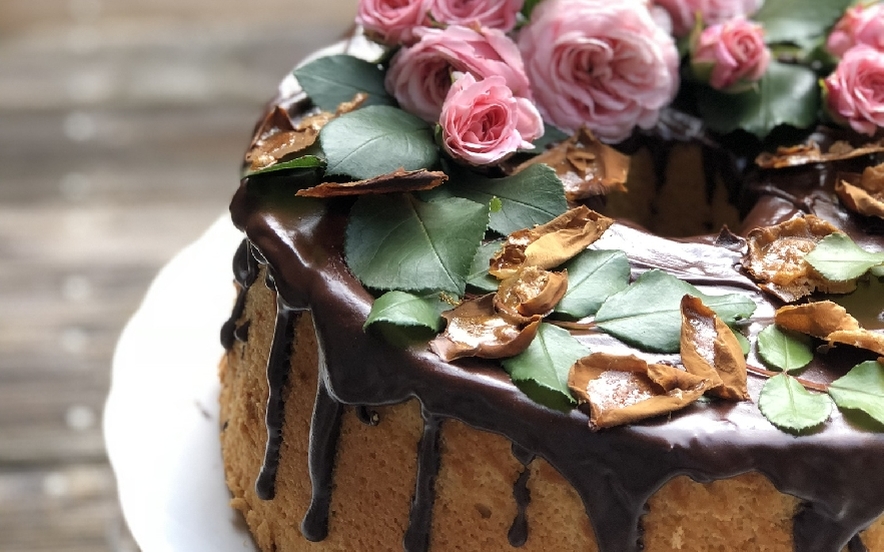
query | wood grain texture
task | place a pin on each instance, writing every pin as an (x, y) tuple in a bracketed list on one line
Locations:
[(121, 127)]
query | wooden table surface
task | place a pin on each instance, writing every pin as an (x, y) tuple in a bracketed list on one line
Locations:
[(121, 127)]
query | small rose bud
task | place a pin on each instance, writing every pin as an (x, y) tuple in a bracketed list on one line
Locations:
[(730, 56)]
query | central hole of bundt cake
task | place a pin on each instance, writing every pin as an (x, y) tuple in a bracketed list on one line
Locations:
[(671, 193)]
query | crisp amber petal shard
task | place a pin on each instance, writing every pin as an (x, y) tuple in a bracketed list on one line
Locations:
[(625, 389), (530, 291), (793, 156), (818, 319), (551, 244), (709, 349), (866, 195), (277, 140), (775, 258), (398, 181), (475, 329), (586, 166)]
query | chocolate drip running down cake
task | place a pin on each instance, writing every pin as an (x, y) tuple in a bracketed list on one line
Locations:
[(334, 438)]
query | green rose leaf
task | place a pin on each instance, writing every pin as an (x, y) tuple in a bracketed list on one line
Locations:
[(839, 259), (647, 314), (797, 20), (862, 389), (332, 80), (377, 140), (303, 162), (530, 197), (395, 241), (878, 271), (784, 350), (786, 94), (478, 276), (789, 406), (548, 360), (593, 276), (404, 309)]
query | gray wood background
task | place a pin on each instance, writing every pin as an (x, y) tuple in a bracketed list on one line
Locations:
[(121, 126)]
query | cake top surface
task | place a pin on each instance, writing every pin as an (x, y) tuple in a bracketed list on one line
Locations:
[(468, 136)]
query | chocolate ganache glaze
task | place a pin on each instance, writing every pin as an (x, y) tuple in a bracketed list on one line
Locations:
[(834, 471)]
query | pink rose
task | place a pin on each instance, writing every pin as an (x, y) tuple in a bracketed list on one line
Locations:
[(420, 75), (482, 122), (684, 12), (603, 64), (859, 25), (854, 93), (731, 56), (393, 21), (493, 14)]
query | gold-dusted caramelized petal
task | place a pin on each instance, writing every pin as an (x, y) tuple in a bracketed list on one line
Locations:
[(621, 389), (775, 258), (277, 140), (710, 350), (475, 329), (398, 181), (586, 166), (531, 291), (550, 244), (865, 196), (806, 154), (819, 318)]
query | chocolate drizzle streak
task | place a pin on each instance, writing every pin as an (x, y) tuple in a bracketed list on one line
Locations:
[(324, 434), (245, 271), (417, 536), (277, 376), (834, 472), (518, 533)]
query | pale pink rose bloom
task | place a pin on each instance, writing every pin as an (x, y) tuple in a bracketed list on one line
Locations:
[(854, 93), (483, 123), (602, 64), (859, 25), (684, 12), (420, 75), (731, 56), (393, 21), (493, 14)]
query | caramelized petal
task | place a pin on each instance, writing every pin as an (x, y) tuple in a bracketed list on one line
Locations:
[(709, 349), (806, 154), (625, 389), (398, 181), (277, 138), (818, 319), (530, 291), (775, 258), (550, 244), (862, 338), (476, 330), (585, 166), (866, 196)]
